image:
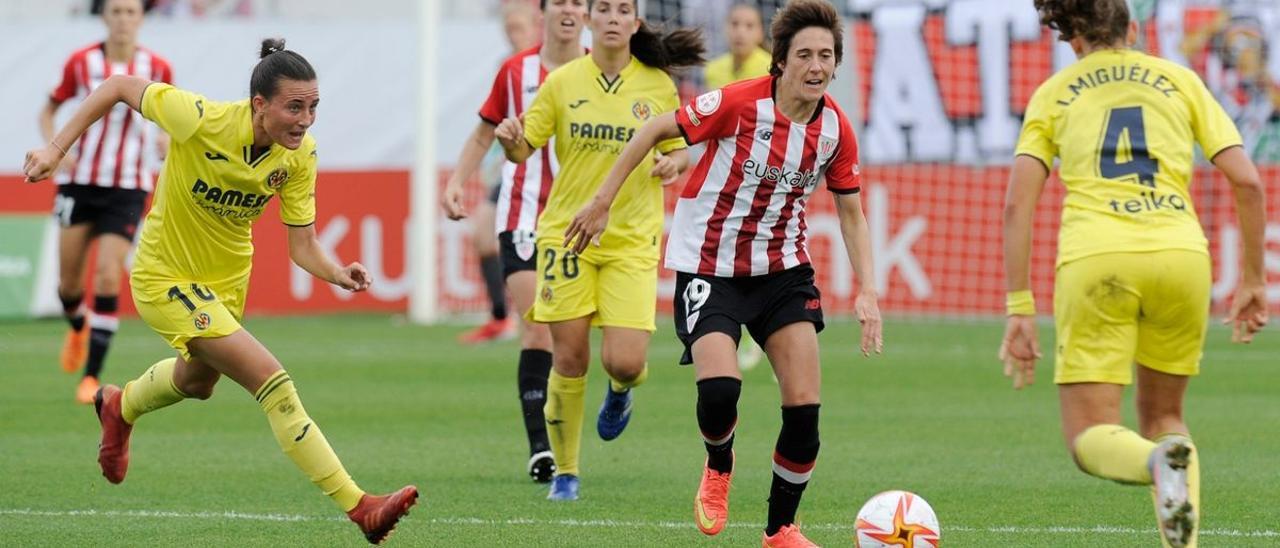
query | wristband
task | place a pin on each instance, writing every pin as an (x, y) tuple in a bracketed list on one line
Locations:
[(1020, 303)]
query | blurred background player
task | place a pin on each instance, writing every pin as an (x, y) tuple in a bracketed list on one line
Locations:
[(520, 25), (520, 197), (746, 59), (103, 183), (227, 161), (749, 266), (1132, 283), (592, 106)]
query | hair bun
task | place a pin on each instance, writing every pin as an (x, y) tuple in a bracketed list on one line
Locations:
[(271, 45)]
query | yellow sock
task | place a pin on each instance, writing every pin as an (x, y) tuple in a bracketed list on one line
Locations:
[(1193, 487), (1114, 452), (619, 386), (153, 390), (564, 420), (303, 442)]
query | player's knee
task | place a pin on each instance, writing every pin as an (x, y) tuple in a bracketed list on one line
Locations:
[(571, 364), (623, 368), (719, 392), (195, 388), (535, 337)]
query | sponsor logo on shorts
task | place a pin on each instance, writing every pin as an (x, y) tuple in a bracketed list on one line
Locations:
[(813, 304), (202, 321), (546, 294)]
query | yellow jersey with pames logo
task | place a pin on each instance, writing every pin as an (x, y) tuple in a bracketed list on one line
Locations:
[(213, 187), (720, 71), (591, 118), (1124, 125)]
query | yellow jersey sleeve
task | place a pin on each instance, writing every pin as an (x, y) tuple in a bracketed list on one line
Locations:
[(298, 193), (540, 118), (1213, 129), (178, 112), (1036, 139), (670, 104)]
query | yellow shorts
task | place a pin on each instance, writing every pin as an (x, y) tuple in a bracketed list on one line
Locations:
[(618, 289), (181, 310), (1113, 309)]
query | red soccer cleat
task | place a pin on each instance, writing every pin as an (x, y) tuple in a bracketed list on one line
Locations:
[(113, 450), (492, 330), (75, 348), (377, 515), (711, 506), (788, 537)]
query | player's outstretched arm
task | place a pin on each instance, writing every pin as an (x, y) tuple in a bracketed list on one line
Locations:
[(1248, 312), (589, 223), (41, 163), (468, 162), (857, 243), (306, 252), (1021, 348)]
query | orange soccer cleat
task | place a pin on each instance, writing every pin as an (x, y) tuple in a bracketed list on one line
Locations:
[(377, 515), (75, 348), (87, 390), (492, 330), (711, 506), (113, 450), (788, 537)]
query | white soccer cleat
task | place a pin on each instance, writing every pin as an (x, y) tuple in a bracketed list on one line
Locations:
[(1169, 479)]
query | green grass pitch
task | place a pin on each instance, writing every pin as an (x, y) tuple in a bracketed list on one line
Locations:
[(404, 404)]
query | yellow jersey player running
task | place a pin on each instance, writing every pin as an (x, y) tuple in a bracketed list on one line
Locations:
[(1133, 270), (225, 162), (592, 106)]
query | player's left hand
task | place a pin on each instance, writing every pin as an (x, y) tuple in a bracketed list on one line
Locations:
[(353, 277), (1020, 350), (1248, 313), (587, 226), (867, 311), (41, 163), (666, 168)]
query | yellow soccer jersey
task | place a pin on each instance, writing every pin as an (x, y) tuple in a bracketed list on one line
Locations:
[(1124, 125), (592, 118), (211, 191), (719, 72)]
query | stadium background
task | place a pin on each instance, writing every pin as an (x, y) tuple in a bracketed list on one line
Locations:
[(937, 88)]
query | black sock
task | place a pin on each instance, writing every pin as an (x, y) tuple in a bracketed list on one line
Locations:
[(71, 310), (718, 418), (535, 366), (491, 269), (101, 328), (793, 460)]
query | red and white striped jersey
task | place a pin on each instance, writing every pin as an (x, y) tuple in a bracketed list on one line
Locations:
[(524, 186), (118, 151), (742, 211)]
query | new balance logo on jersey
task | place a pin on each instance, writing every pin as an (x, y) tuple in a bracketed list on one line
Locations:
[(215, 156), (783, 176), (765, 134), (577, 103)]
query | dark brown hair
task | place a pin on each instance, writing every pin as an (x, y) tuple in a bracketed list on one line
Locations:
[(797, 16), (667, 51), (1101, 22), (277, 63)]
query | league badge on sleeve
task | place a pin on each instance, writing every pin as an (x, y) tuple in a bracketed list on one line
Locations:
[(707, 103)]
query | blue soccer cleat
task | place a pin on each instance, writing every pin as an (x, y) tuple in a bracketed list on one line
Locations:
[(615, 413), (564, 488)]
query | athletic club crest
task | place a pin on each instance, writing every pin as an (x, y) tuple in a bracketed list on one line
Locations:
[(641, 110), (202, 321), (826, 147), (525, 250), (277, 178)]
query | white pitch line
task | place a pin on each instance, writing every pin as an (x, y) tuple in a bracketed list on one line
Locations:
[(612, 524)]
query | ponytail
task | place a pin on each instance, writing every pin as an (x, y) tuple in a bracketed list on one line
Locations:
[(680, 48)]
